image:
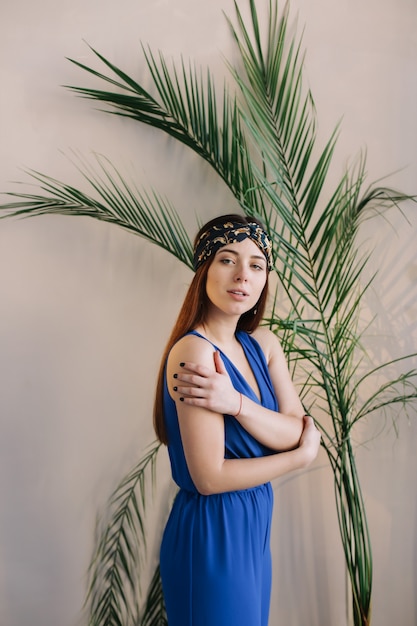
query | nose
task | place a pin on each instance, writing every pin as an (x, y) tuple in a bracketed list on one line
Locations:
[(241, 275)]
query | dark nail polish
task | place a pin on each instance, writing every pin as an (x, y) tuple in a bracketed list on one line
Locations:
[(182, 364), (182, 399), (175, 376), (175, 388)]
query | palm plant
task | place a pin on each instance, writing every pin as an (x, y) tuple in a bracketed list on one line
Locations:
[(261, 141)]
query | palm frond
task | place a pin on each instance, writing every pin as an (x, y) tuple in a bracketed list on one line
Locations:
[(399, 390), (154, 613), (112, 200), (114, 578), (187, 110), (276, 108)]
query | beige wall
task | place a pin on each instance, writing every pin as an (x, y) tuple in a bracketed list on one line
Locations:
[(86, 308)]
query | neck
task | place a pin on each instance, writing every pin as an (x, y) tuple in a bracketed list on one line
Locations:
[(220, 332)]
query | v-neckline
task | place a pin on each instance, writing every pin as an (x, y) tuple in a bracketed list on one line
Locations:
[(257, 397)]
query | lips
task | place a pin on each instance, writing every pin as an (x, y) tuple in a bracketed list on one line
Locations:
[(238, 292)]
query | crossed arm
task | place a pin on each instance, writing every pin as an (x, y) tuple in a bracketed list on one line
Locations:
[(203, 393)]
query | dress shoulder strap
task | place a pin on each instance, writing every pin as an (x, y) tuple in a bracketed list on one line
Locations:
[(197, 334)]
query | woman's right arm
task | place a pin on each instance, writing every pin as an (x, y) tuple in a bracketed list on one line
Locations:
[(202, 434)]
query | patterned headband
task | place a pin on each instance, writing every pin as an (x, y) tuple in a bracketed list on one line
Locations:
[(231, 232)]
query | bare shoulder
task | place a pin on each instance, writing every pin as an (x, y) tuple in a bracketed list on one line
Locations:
[(192, 349), (269, 343)]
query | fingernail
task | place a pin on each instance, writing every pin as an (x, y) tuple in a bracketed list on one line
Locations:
[(175, 388), (182, 399), (182, 364), (175, 376)]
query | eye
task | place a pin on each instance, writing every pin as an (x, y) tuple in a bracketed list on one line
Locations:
[(226, 261), (257, 267)]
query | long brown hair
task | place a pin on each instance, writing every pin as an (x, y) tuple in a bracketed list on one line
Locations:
[(193, 313)]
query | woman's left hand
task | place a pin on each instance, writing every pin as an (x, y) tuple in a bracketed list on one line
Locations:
[(212, 390)]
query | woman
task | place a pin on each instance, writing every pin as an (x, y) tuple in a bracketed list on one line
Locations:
[(229, 413)]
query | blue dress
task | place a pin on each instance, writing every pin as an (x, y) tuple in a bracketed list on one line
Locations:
[(215, 556)]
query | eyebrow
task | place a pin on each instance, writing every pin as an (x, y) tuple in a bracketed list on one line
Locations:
[(252, 256)]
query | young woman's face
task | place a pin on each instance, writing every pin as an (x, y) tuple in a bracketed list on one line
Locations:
[(236, 277)]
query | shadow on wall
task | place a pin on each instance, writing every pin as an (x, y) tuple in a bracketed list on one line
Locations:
[(394, 329), (308, 583)]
